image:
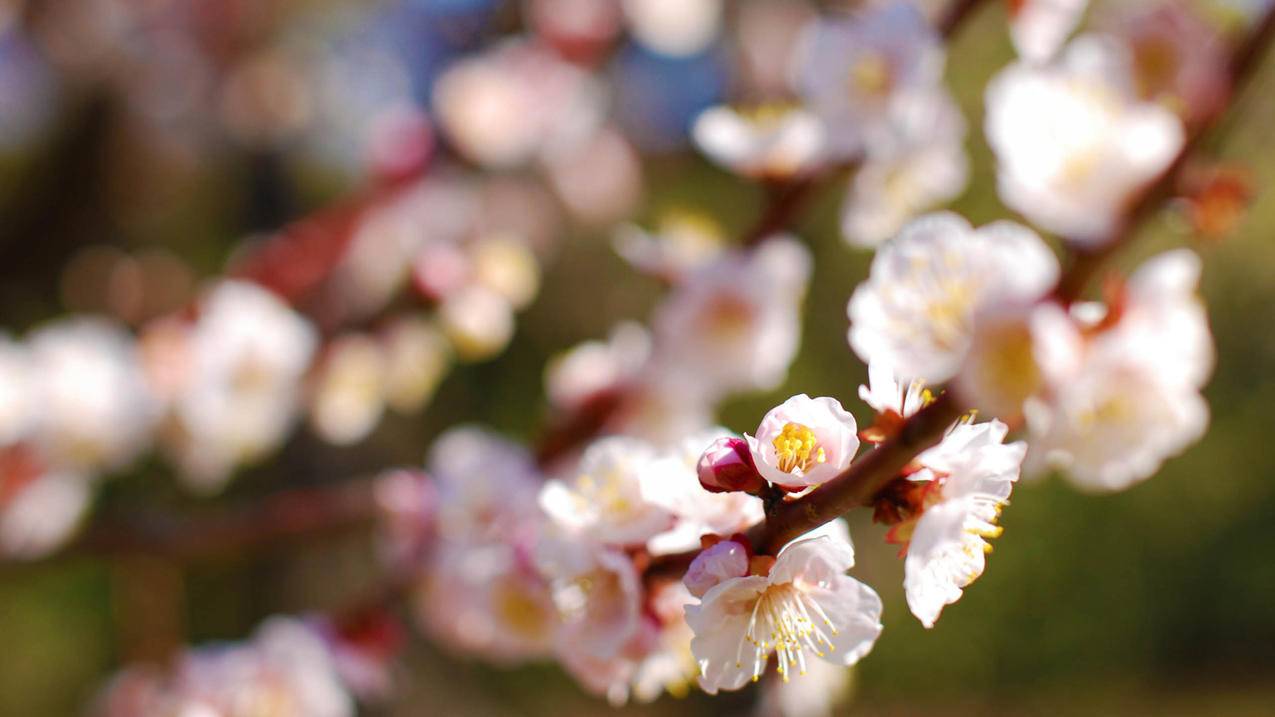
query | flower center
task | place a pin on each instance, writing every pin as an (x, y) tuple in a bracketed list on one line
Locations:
[(871, 76), (787, 620), (797, 449)]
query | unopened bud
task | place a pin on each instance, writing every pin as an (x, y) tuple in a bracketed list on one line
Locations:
[(727, 465)]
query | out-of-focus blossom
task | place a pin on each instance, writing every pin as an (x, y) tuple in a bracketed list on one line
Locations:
[(613, 496), (1073, 143), (17, 399), (505, 107), (804, 442), (1215, 199), (915, 312), (286, 670), (598, 593), (734, 325), (804, 607), (487, 486), (95, 408), (506, 265), (408, 504), (850, 69), (917, 162), (775, 142), (947, 510), (489, 600), (674, 27), (40, 506), (348, 393), (417, 358), (478, 321), (669, 666), (594, 367), (698, 511), (682, 241), (1040, 27), (1128, 396), (600, 179), (766, 36), (248, 353), (824, 686), (579, 29), (1179, 59)]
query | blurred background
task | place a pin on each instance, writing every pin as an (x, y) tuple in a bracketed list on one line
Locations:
[(148, 145)]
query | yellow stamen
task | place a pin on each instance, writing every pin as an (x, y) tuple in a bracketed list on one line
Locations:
[(797, 448)]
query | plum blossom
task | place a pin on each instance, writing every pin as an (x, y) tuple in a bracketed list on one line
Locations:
[(598, 594), (487, 487), (347, 397), (804, 604), (40, 505), (916, 310), (917, 162), (96, 409), (947, 508), (767, 142), (489, 600), (804, 442), (613, 496), (248, 353), (735, 324), (850, 69), (727, 465), (1123, 393), (594, 367), (17, 400), (681, 242), (698, 512), (1039, 27), (1072, 141), (285, 670), (824, 686)]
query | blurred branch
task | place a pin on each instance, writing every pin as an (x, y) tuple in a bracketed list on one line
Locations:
[(288, 515), (1085, 263)]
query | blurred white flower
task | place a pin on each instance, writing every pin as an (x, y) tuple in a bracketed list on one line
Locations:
[(96, 410), (918, 162), (591, 368), (40, 506), (613, 497), (775, 142), (674, 27), (817, 694), (1125, 396), (417, 358), (915, 312), (951, 512), (487, 486), (804, 442), (850, 69), (478, 321), (805, 604), (682, 242), (735, 324), (286, 670), (1072, 141), (598, 593), (1039, 27), (17, 399), (887, 392), (349, 390), (489, 600), (248, 355), (510, 104), (505, 264), (600, 180), (698, 512)]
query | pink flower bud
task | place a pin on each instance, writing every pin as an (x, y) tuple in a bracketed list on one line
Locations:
[(727, 465), (714, 565)]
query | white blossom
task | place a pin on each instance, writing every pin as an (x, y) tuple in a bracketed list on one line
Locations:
[(768, 141), (612, 496), (962, 485), (917, 162), (805, 607), (915, 311), (850, 69), (1040, 27), (804, 442), (1072, 141), (487, 486)]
